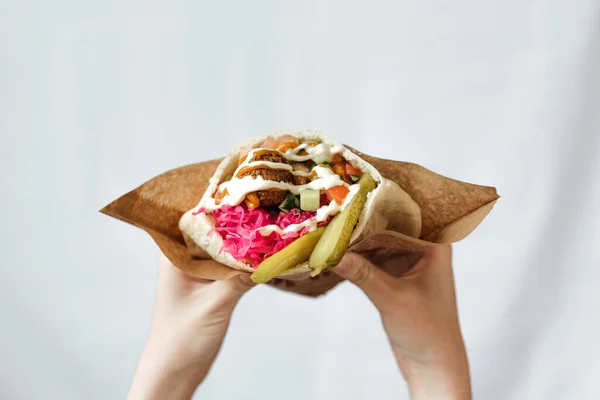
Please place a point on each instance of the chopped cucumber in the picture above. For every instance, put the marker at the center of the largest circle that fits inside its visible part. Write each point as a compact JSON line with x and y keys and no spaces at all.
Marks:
{"x":289,"y":203}
{"x":354,"y":178}
{"x":310,"y":200}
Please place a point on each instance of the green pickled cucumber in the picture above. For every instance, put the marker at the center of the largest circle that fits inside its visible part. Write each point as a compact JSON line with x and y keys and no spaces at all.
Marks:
{"x":295,"y":253}
{"x":335,"y":240}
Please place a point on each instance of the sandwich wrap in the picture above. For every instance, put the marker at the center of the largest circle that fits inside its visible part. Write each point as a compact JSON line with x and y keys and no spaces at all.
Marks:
{"x":410,"y":209}
{"x":387,"y":207}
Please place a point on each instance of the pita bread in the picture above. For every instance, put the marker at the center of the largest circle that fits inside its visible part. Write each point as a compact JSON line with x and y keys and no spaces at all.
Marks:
{"x":388,"y":207}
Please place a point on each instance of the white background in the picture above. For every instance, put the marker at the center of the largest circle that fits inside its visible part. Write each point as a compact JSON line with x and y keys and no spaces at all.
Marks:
{"x":96,"y":97}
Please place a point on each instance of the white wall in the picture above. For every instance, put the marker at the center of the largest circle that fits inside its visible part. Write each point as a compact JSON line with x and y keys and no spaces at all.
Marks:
{"x":96,"y":97}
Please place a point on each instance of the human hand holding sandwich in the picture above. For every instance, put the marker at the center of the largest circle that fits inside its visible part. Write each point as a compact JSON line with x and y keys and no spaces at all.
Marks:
{"x":415,"y":296}
{"x":191,"y":317}
{"x":418,"y":311}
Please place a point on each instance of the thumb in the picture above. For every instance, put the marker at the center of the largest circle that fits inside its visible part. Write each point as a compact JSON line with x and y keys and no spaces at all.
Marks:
{"x":364,"y":274}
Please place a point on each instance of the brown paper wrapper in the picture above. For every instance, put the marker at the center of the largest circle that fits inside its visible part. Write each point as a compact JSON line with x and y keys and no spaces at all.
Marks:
{"x":450,"y":211}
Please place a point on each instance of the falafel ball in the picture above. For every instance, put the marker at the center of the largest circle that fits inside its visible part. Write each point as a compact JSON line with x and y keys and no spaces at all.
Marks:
{"x":270,"y":197}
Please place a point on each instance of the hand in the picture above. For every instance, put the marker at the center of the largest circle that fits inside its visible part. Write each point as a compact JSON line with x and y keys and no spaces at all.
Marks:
{"x":419,"y":314}
{"x":191,"y":317}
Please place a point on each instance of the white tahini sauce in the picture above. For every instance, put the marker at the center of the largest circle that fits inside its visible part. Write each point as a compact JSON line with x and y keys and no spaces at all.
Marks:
{"x":322,"y":214}
{"x":237,"y":188}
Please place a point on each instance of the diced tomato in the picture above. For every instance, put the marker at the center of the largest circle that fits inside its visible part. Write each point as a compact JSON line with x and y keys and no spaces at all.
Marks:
{"x":252,"y":200}
{"x":325,"y":200}
{"x":352,"y":170}
{"x":337,"y":193}
{"x":340,"y":169}
{"x":336,"y":158}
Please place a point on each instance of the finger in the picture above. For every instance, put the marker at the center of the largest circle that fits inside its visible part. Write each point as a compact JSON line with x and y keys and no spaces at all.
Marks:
{"x":372,"y":280}
{"x":439,"y":260}
{"x":171,"y":276}
{"x":166,"y":269}
{"x":441,"y":253}
{"x":229,"y":291}
{"x":163,"y":261}
{"x":437,"y":274}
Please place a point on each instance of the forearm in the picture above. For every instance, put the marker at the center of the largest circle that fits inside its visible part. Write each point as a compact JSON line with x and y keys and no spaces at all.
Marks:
{"x":155,"y":380}
{"x":447,"y":380}
{"x":148,"y":386}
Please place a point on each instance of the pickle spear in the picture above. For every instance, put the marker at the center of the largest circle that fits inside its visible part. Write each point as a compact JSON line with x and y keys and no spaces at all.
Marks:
{"x":335,"y":240}
{"x":295,"y":253}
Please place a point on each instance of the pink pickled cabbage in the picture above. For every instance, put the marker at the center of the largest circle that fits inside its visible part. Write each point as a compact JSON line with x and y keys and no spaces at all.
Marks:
{"x":238,"y":226}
